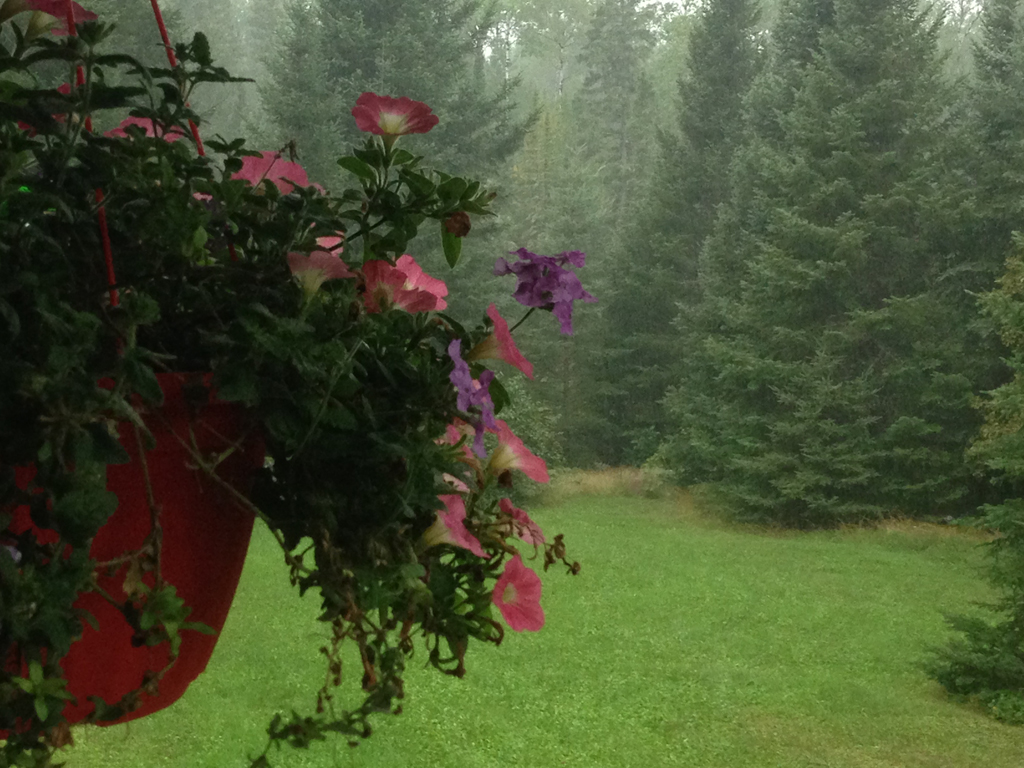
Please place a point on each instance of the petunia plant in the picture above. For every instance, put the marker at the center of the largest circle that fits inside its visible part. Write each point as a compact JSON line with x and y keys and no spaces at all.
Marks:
{"x":385,"y":469}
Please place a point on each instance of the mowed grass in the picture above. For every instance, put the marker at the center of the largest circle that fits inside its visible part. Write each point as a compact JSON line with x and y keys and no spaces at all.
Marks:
{"x":683,"y":642}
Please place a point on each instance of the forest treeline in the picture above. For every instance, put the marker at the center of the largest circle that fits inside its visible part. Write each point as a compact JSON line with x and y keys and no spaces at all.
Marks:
{"x":799,"y":218}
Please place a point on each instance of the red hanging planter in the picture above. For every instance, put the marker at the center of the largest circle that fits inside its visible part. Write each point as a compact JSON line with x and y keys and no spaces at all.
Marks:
{"x":205,"y":540}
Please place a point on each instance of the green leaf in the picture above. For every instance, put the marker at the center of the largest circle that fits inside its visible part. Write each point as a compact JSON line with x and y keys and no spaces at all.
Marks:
{"x":143,"y":380}
{"x":452,"y":247}
{"x":42,"y":711}
{"x":402,"y":157}
{"x":358,"y":167}
{"x":452,"y":189}
{"x":499,"y":395}
{"x":201,"y":50}
{"x":106,"y":449}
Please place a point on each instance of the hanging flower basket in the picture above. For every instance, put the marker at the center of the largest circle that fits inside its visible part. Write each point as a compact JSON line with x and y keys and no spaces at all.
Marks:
{"x":205,"y":536}
{"x":388,"y":474}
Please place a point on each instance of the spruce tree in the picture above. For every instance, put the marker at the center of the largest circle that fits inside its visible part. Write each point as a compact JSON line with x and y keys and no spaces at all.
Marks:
{"x":833,"y":388}
{"x":664,"y":239}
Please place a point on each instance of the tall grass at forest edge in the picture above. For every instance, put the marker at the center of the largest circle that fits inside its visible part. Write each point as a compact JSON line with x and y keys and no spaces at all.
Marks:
{"x":685,"y":641}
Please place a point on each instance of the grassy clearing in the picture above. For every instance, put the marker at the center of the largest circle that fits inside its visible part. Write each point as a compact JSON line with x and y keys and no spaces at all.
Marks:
{"x":684,"y":642}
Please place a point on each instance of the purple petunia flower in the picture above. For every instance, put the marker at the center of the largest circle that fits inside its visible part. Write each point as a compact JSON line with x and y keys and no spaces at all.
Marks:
{"x":544,"y":281}
{"x":472,"y":392}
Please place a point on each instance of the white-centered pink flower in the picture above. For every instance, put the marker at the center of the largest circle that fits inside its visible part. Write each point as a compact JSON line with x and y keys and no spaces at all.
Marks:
{"x":450,"y":527}
{"x":511,"y":453}
{"x":525,"y":528}
{"x":56,"y":9}
{"x":404,"y":285}
{"x":517,"y":595}
{"x":500,"y":345}
{"x":315,"y":269}
{"x":388,"y":116}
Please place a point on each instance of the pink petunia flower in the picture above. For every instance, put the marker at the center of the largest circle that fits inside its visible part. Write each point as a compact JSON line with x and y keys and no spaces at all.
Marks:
{"x":525,"y":528}
{"x":500,"y":345}
{"x":270,"y":166}
{"x":332,"y":243}
{"x":316,"y":268}
{"x":404,"y":285}
{"x":512,"y":454}
{"x":517,"y":595}
{"x":58,"y":9}
{"x":450,"y":527}
{"x":149,"y":127}
{"x":387,"y":116}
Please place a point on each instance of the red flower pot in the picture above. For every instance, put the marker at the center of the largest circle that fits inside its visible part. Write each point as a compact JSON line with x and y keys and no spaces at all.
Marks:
{"x":205,"y":539}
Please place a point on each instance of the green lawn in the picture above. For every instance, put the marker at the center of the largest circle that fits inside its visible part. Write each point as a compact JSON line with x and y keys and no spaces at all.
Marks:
{"x":682,"y":643}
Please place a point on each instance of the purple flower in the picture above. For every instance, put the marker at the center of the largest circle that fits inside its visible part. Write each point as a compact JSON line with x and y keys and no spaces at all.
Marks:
{"x":544,"y":281}
{"x":471,"y":393}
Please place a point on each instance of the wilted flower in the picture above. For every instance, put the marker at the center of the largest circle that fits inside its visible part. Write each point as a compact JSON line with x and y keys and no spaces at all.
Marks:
{"x":450,"y":527}
{"x":404,"y":285}
{"x":544,"y":281}
{"x":388,"y":116}
{"x":500,"y":345}
{"x":458,"y":224}
{"x":525,"y":528}
{"x":517,"y":595}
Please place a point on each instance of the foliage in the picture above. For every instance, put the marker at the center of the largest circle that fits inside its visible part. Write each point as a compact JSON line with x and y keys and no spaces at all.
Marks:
{"x":220,"y":267}
{"x":664,"y":241}
{"x":986,"y":660}
{"x":832,"y":381}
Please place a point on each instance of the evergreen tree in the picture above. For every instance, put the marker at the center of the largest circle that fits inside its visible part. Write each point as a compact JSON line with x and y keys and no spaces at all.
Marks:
{"x":987,"y":660}
{"x":834,"y":389}
{"x":665,"y":238}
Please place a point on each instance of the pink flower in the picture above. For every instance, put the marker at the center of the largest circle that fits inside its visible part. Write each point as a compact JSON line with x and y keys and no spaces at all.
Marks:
{"x":512,"y":454}
{"x":450,"y":527}
{"x":404,"y":285}
{"x":517,"y":595}
{"x":270,"y":166}
{"x":500,"y":345}
{"x":387,"y":116}
{"x":333,"y":243}
{"x":149,"y":127}
{"x":316,"y":268}
{"x":58,"y":9}
{"x":525,"y":528}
